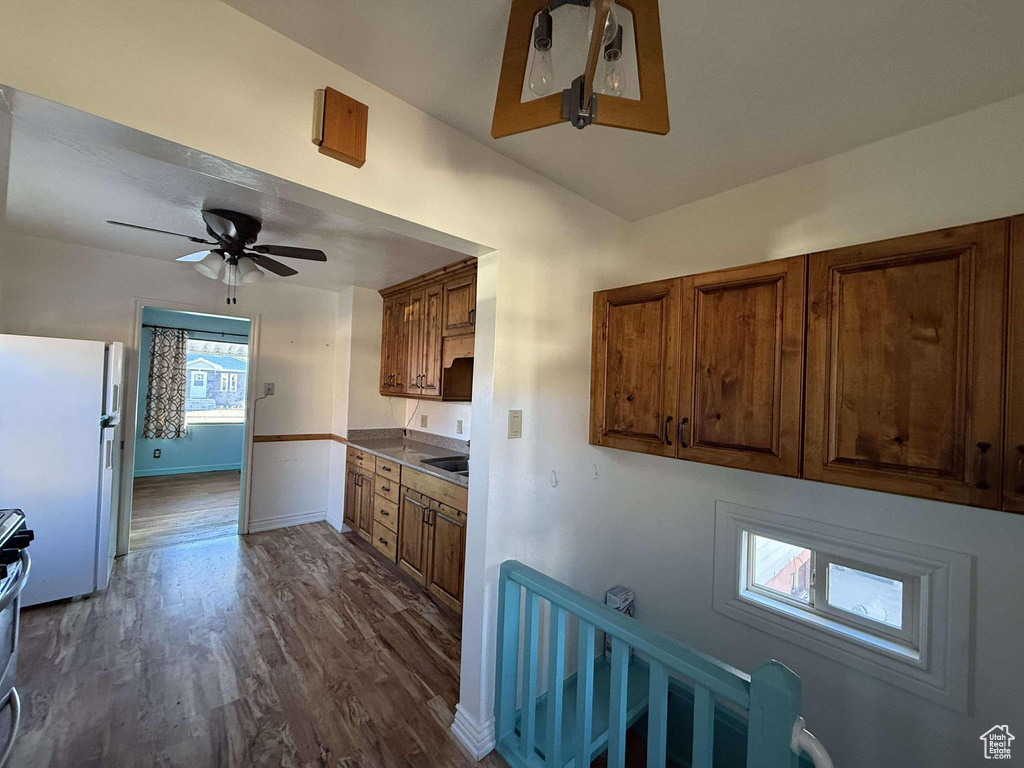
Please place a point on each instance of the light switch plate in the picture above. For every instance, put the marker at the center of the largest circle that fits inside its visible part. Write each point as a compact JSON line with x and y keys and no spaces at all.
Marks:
{"x":458,"y":426}
{"x":515,"y":424}
{"x":423,"y":421}
{"x":268,"y":388}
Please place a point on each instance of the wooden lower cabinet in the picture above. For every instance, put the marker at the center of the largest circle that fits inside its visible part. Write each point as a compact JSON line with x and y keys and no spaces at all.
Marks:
{"x":359,"y":499}
{"x":447,"y":536}
{"x":413,"y":538}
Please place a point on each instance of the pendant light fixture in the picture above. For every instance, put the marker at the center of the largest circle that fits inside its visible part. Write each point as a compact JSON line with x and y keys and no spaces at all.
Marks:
{"x":607,"y":70}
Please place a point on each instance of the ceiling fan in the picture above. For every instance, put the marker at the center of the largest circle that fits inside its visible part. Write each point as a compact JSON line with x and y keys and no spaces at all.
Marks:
{"x":235,"y":251}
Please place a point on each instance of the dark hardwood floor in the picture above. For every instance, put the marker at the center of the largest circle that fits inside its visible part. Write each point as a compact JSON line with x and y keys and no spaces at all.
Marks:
{"x":295,"y":647}
{"x":173,"y":509}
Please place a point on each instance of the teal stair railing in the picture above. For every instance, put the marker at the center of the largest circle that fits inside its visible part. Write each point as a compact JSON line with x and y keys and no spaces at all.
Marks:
{"x":589,"y":712}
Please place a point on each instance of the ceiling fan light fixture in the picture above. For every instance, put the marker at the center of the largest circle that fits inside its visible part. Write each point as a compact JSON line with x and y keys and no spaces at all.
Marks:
{"x":249,"y":272}
{"x":210,"y":265}
{"x":230,"y":274}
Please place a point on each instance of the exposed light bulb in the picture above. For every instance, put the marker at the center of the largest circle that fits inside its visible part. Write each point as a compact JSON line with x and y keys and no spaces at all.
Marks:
{"x":542,"y":71}
{"x":611,"y":25}
{"x":614,"y":81}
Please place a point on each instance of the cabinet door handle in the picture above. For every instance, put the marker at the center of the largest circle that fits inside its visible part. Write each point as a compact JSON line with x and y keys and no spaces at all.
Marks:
{"x":682,"y":432}
{"x":1020,"y":469}
{"x":982,"y":484}
{"x":668,"y":424}
{"x":472,"y":316}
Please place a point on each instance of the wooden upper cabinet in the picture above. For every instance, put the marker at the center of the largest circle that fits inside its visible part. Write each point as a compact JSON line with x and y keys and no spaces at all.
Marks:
{"x":392,"y":352}
{"x":741,"y":367}
{"x":1013,"y":479}
{"x":904,"y":380}
{"x":430,"y":354}
{"x":634,"y":368}
{"x":460,"y":305}
{"x":417,"y":316}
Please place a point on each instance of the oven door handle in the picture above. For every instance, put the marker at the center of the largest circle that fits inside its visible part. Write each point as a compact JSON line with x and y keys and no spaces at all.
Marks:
{"x":11,"y":593}
{"x":15,"y":702}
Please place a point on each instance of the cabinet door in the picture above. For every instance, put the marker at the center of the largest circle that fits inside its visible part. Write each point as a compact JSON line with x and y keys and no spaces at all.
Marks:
{"x":351,"y":513}
{"x":413,"y":343}
{"x":447,"y":555}
{"x":365,"y":496}
{"x":741,"y":370}
{"x":904,"y":365}
{"x":1013,"y":482}
{"x":412,"y":534}
{"x":460,"y":305}
{"x":392,"y":354}
{"x":430,"y":381}
{"x":634,"y":368}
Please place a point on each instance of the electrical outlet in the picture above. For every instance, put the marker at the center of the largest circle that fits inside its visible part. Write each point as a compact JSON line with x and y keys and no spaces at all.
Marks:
{"x":515,"y":424}
{"x":458,"y":426}
{"x":156,"y":453}
{"x":423,"y":421}
{"x":268,"y":388}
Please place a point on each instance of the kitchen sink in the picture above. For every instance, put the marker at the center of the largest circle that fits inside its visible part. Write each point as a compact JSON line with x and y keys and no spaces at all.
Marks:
{"x":458,"y":465}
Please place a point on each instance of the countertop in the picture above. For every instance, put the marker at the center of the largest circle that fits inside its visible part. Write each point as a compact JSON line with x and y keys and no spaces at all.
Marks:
{"x":411,"y":453}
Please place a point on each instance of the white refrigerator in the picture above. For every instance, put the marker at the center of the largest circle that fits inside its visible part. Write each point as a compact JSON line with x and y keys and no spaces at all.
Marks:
{"x":60,"y":457}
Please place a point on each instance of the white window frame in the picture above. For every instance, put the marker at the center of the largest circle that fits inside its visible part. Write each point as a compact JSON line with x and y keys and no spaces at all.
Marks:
{"x":930,"y":660}
{"x":198,"y":379}
{"x":904,"y":641}
{"x":224,"y":382}
{"x":234,"y":382}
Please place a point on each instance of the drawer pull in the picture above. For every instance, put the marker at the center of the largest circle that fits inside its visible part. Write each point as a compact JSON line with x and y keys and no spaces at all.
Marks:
{"x":385,"y":469}
{"x":382,"y":540}
{"x":386,"y":514}
{"x":386,"y":488}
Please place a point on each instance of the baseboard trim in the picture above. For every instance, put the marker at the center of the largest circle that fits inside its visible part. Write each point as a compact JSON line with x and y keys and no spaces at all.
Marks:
{"x":186,"y":470}
{"x":476,"y":738}
{"x":284,"y":521}
{"x":336,"y":522}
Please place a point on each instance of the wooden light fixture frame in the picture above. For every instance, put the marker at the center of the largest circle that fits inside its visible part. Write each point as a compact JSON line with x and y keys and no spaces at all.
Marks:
{"x":649,"y":114}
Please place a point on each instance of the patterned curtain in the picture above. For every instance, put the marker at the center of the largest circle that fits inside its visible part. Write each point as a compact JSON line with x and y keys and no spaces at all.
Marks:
{"x":165,"y":397}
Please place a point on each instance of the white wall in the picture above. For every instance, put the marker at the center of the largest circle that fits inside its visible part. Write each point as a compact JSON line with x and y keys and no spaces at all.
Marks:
{"x":58,"y":289}
{"x":647,"y":521}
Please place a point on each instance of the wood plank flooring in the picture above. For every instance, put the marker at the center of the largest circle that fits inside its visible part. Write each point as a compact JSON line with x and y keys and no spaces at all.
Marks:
{"x":173,"y":509}
{"x":294,"y":648}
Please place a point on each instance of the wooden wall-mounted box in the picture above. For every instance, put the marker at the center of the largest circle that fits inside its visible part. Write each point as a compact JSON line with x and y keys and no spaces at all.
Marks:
{"x":339,"y":126}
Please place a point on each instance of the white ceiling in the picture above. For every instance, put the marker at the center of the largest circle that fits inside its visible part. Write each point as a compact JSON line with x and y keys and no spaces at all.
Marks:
{"x":70,"y":172}
{"x":755,"y":88}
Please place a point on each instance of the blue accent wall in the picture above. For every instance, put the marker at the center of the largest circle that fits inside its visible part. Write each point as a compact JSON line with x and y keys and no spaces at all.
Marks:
{"x":208,"y":447}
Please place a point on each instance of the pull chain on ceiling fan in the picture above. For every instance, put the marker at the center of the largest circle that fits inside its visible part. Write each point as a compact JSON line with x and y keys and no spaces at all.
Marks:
{"x":235,"y":253}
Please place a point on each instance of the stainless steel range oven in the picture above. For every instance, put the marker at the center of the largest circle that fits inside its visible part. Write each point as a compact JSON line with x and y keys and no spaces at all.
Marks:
{"x":14,"y":567}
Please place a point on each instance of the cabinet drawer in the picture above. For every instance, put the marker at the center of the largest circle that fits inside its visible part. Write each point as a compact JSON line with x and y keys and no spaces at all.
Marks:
{"x":386,"y":487}
{"x":385,"y":512}
{"x":386,"y":468}
{"x":385,"y":541}
{"x":362,"y":459}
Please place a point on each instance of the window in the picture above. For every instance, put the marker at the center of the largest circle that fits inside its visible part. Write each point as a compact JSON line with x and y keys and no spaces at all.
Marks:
{"x":893,"y":609}
{"x":217,"y":378}
{"x":879,"y":606}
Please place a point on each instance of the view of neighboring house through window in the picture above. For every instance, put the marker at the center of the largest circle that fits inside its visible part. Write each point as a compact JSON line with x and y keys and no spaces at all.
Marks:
{"x":818,"y":583}
{"x":217,"y":381}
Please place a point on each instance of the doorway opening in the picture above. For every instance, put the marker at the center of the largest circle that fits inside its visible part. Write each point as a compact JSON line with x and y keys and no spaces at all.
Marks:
{"x":190,"y":429}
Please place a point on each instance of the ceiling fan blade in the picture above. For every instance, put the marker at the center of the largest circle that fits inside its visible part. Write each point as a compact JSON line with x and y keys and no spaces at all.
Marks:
{"x":274,"y":266}
{"x":291,"y":252}
{"x":161,"y":231}
{"x":220,"y":226}
{"x":197,"y":256}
